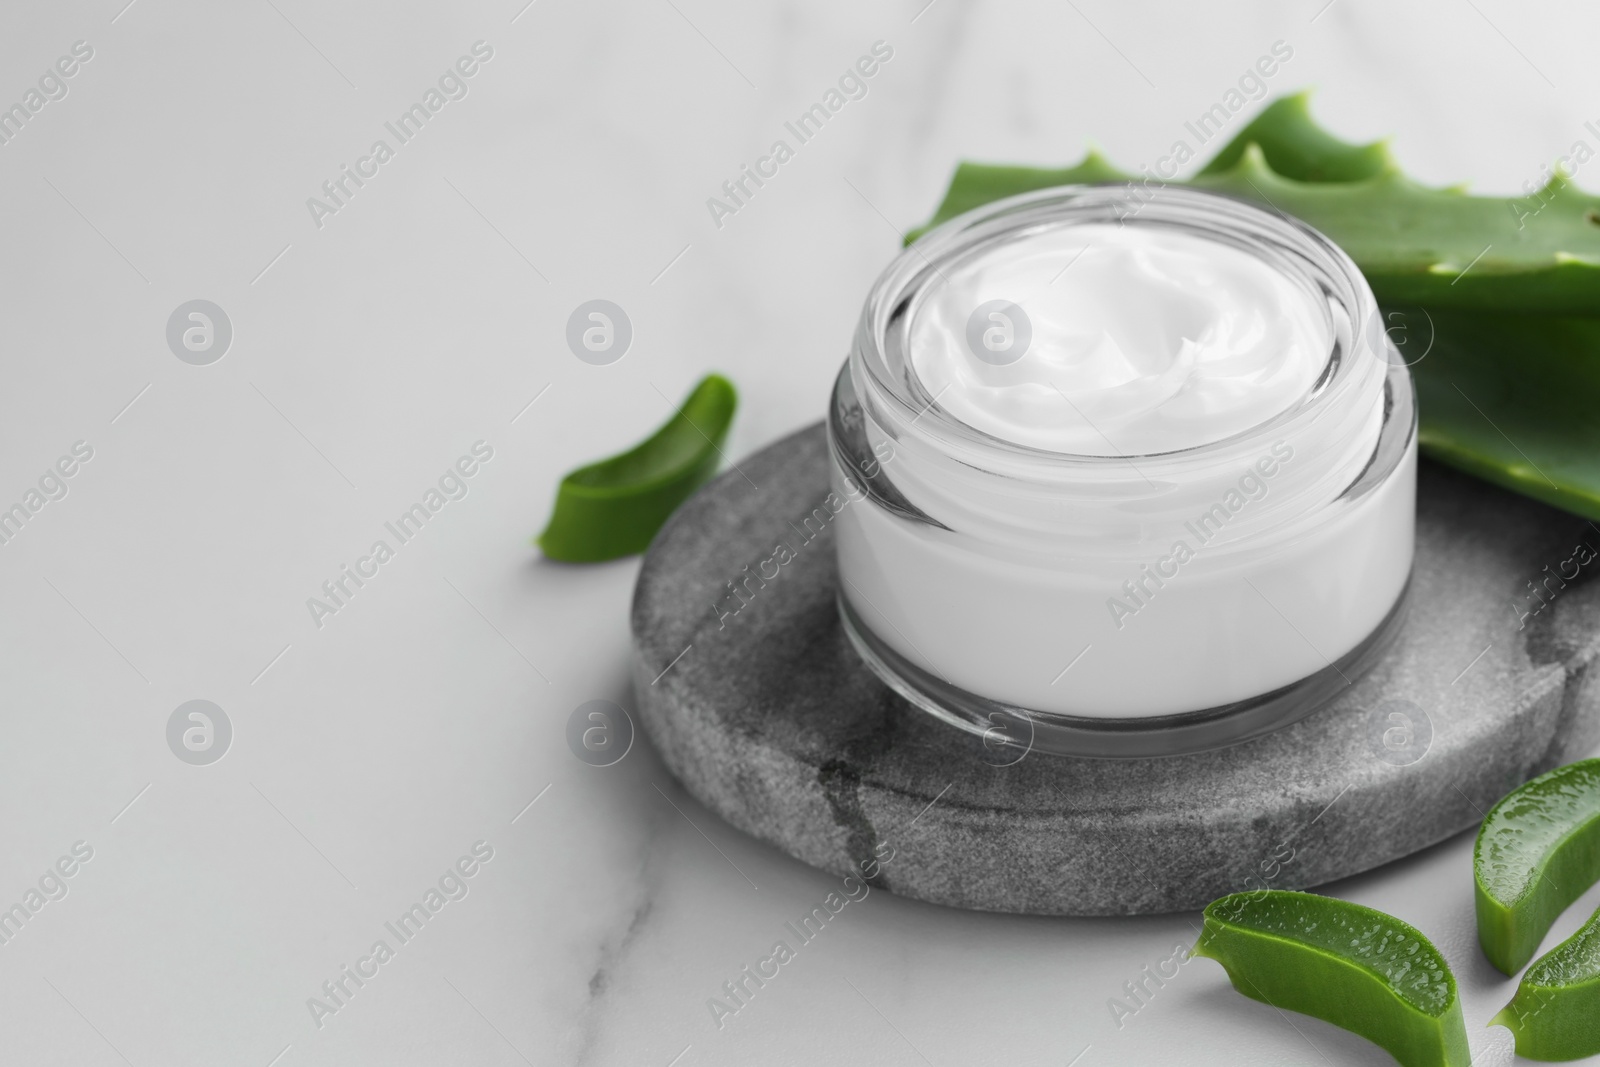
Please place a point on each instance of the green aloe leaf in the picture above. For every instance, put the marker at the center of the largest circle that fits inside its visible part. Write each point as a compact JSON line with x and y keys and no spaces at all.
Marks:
{"x":1440,"y":247}
{"x":1415,"y":244}
{"x":977,"y":184}
{"x":614,"y":507}
{"x":1502,"y":294}
{"x":1556,"y":1012}
{"x":1354,"y":967}
{"x":1511,"y":399}
{"x":1538,"y":850}
{"x":1296,"y":147}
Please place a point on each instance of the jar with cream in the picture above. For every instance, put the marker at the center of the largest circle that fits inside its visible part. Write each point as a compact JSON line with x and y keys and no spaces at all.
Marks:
{"x":1122,"y":485}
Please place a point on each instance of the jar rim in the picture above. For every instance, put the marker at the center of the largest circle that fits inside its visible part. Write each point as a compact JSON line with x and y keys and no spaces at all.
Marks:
{"x":894,"y":395}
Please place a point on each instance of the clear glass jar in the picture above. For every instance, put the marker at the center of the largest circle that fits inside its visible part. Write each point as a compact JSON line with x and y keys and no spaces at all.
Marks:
{"x":1043,"y":599}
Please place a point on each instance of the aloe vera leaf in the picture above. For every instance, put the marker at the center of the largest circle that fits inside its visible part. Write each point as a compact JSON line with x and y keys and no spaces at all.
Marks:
{"x":1354,"y":967}
{"x":1537,"y":851}
{"x":1555,"y":1014}
{"x":1561,"y":279}
{"x":1415,"y":244}
{"x":1296,"y":147}
{"x":1519,"y":415}
{"x":1512,"y":399}
{"x":1504,"y":397}
{"x":613,"y":508}
{"x":1440,"y":247}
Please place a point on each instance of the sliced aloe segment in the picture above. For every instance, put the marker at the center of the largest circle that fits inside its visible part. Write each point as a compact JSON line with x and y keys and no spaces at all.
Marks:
{"x":1538,"y":850}
{"x":1556,"y":1012}
{"x":1354,"y":967}
{"x":614,"y":507}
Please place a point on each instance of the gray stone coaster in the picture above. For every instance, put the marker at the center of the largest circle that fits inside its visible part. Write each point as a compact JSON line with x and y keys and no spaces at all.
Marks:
{"x":769,"y":719}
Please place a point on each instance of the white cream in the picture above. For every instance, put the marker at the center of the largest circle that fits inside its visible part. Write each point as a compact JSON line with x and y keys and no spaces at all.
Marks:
{"x":1064,"y":635}
{"x":1214,"y":494}
{"x":1142,"y":341}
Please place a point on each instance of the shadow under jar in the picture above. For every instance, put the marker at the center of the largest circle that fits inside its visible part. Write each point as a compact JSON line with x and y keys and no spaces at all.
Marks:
{"x":1122,"y":485}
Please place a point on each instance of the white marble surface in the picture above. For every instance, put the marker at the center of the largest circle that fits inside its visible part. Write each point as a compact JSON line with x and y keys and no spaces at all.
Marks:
{"x":370,"y":753}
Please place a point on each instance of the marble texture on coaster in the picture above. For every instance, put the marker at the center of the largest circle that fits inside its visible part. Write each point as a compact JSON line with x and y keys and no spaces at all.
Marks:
{"x":768,"y":717}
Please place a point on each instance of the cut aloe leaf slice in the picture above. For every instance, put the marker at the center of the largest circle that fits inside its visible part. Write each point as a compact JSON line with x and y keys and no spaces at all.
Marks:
{"x":1556,"y":1012}
{"x":1354,"y":967}
{"x":1538,"y":850}
{"x":613,"y":508}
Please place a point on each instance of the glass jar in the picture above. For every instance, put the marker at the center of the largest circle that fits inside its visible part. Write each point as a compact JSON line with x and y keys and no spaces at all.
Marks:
{"x":1123,"y":605}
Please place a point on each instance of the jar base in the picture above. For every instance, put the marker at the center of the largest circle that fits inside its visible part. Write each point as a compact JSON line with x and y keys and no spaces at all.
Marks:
{"x":1006,"y":726}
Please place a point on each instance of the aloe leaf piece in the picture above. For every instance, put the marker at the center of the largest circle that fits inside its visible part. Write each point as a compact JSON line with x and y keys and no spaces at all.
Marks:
{"x":1352,"y":966}
{"x":1508,"y":398}
{"x":613,"y":508}
{"x":1555,"y":1014}
{"x":1537,"y":851}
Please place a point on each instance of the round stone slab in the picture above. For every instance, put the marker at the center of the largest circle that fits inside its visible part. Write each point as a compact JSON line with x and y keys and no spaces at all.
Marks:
{"x":749,"y":689}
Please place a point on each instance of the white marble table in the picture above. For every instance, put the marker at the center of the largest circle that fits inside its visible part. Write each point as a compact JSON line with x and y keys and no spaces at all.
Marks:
{"x":374,"y":345}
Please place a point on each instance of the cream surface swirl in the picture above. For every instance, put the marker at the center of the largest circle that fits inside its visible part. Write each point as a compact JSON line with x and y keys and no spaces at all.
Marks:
{"x":1133,"y":340}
